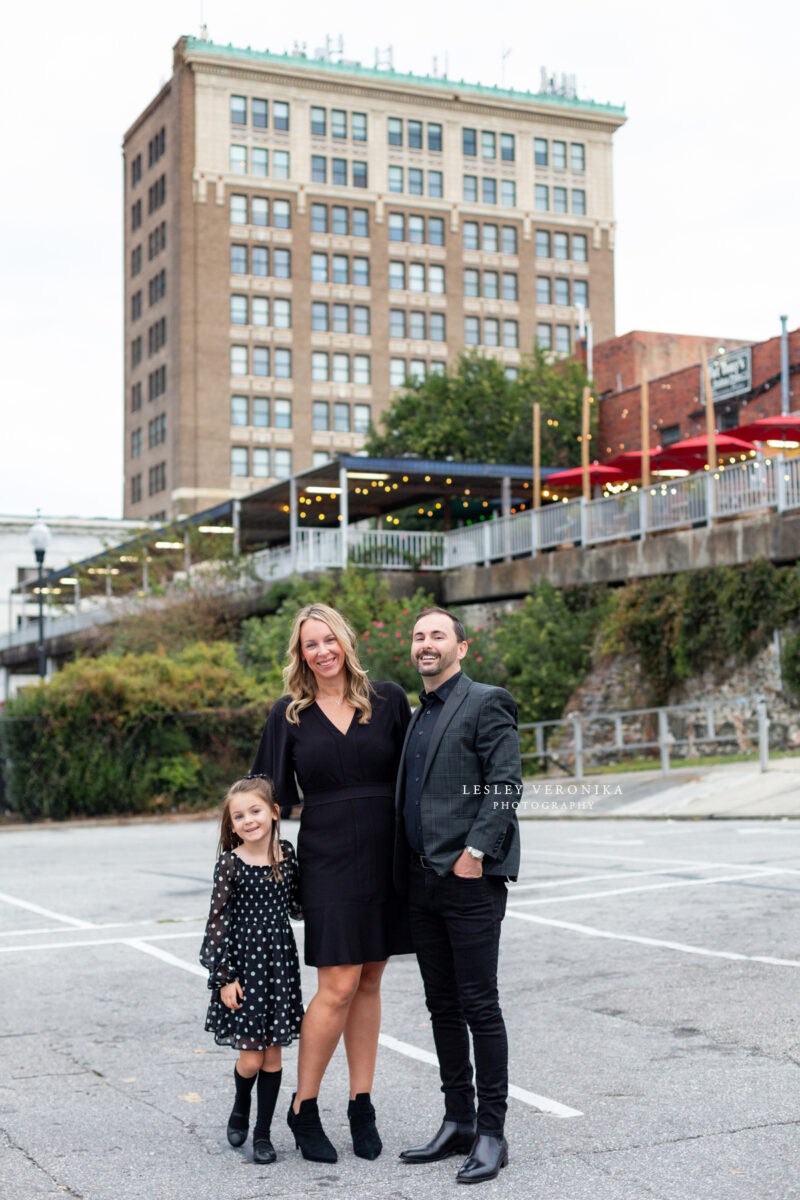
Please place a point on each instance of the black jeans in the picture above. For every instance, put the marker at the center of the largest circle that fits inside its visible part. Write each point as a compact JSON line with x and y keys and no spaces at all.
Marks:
{"x":455,"y":927}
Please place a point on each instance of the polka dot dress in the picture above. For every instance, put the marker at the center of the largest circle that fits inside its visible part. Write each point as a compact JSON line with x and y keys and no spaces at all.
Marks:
{"x":249,"y":938}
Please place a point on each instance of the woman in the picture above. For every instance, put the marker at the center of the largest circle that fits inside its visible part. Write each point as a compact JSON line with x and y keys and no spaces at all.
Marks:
{"x":342,"y":738}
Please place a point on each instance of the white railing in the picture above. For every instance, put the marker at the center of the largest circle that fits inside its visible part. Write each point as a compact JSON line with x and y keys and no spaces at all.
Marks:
{"x":763,"y":483}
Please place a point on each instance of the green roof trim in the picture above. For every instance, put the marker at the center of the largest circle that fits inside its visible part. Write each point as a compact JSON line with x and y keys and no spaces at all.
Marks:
{"x":356,"y":70}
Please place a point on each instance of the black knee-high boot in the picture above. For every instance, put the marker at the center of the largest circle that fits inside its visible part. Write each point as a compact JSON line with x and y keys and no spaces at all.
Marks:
{"x":269,"y":1084}
{"x":239,"y":1120}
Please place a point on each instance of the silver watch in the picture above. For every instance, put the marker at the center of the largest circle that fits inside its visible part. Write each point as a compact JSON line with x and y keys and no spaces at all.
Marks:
{"x":475,"y":853}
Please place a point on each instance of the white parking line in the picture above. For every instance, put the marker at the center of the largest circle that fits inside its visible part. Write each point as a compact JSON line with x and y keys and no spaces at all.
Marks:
{"x":649,"y":887}
{"x":568,"y":879}
{"x":4,"y":933}
{"x":46,"y":912}
{"x":165,"y":956}
{"x":591,"y":931}
{"x":118,"y":941}
{"x":686,"y":862}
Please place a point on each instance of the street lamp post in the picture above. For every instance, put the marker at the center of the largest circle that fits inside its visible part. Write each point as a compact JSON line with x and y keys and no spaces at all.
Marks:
{"x":39,"y":538}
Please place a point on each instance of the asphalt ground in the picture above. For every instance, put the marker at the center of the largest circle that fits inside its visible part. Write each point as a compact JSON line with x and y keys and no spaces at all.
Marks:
{"x":649,"y":976}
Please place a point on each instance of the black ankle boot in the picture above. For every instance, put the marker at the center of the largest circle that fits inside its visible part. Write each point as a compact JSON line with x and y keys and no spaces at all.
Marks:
{"x":361,"y":1115}
{"x":239,"y":1120}
{"x":309,"y":1136}
{"x":269,"y":1084}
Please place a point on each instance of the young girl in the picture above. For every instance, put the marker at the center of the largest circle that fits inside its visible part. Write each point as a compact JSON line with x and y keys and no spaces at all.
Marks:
{"x":250,"y":952}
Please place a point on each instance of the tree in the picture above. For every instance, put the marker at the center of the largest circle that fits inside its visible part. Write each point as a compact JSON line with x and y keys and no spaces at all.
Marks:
{"x":476,"y":414}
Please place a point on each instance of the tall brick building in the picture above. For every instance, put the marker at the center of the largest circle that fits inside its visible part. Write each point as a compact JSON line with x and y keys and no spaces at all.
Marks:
{"x":302,"y":235}
{"x":750,"y":387}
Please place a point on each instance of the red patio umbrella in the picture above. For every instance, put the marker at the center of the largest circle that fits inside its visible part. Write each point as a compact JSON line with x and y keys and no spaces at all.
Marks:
{"x":694,"y":451}
{"x":661,"y":462}
{"x":599,"y":474}
{"x":780,"y":432}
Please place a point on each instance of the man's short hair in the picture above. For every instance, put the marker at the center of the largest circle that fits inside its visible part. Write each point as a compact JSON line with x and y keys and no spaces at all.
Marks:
{"x":460,"y":632}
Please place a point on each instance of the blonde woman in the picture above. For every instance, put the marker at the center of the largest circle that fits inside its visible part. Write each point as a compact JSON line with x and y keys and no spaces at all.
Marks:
{"x":340,"y":737}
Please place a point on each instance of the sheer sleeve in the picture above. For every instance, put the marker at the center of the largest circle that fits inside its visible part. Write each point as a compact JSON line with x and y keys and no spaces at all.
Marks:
{"x":292,"y":876}
{"x":274,"y":756}
{"x":217,"y":952}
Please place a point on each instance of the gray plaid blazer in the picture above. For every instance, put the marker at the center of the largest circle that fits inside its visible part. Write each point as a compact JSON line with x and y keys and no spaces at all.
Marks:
{"x":472,"y":779}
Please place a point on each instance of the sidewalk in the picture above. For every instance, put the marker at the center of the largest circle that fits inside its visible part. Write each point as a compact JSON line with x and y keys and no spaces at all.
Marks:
{"x":732,"y":791}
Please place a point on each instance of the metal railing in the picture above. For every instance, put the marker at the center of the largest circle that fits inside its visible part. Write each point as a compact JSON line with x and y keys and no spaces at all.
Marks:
{"x":740,"y":724}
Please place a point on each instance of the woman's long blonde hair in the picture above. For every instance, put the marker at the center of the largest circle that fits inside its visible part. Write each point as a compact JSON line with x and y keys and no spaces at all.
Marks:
{"x":298,"y":678}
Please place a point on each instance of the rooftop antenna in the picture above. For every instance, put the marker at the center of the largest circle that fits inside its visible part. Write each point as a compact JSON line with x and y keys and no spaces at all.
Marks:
{"x":384,"y":59}
{"x":203,"y":26}
{"x":503,"y":56}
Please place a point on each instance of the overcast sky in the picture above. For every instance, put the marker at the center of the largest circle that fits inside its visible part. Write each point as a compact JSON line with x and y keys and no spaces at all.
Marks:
{"x":706,"y":177}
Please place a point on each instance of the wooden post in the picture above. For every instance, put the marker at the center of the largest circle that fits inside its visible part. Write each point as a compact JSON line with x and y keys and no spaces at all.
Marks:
{"x":587,"y":487}
{"x":537,"y":454}
{"x":644,"y":404}
{"x":711,"y":449}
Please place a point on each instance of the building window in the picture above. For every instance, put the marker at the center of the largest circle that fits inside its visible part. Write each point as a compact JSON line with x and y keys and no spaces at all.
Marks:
{"x":670,"y":434}
{"x":579,"y":202}
{"x":339,"y":172}
{"x":341,"y":318}
{"x":281,"y":263}
{"x":281,"y":214}
{"x":259,"y":210}
{"x":416,"y":230}
{"x":283,"y":463}
{"x":136,"y":443}
{"x":541,"y":194}
{"x":395,"y":131}
{"x":281,"y":314}
{"x":361,"y":418}
{"x":417,"y":370}
{"x":136,"y":305}
{"x":259,"y":162}
{"x":261,"y":412}
{"x":359,"y":174}
{"x":416,"y":277}
{"x":280,"y":115}
{"x":319,"y":218}
{"x":319,"y":316}
{"x":540,"y":152}
{"x":397,"y":323}
{"x":238,"y":160}
{"x":341,"y":418}
{"x":415,"y":181}
{"x":507,"y":147}
{"x":508,"y":193}
{"x":469,"y":189}
{"x":360,"y":221}
{"x":509,"y":239}
{"x":319,"y":366}
{"x":562,"y":339}
{"x":397,"y":276}
{"x":259,"y":310}
{"x":319,"y":168}
{"x":259,"y":111}
{"x":136,"y":351}
{"x":340,"y":368}
{"x":580,"y":293}
{"x":436,"y":231}
{"x":238,"y":210}
{"x":136,"y":215}
{"x":240,"y":465}
{"x":416,"y":326}
{"x":472,"y":331}
{"x":136,"y":260}
{"x":511,"y":334}
{"x":489,"y":191}
{"x":280,"y":164}
{"x":543,"y":290}
{"x":282,"y":410}
{"x":238,"y":260}
{"x":136,"y":489}
{"x":491,"y":331}
{"x":544,"y":336}
{"x":361,"y":272}
{"x":283,"y":364}
{"x":469,"y":143}
{"x":261,"y":361}
{"x":435,"y":184}
{"x":488,"y":145}
{"x":491,"y":285}
{"x":320,"y":416}
{"x":436,"y":368}
{"x":395,"y":179}
{"x":561,"y":292}
{"x":397,"y":372}
{"x":579,"y":247}
{"x":261,"y":462}
{"x":340,"y":220}
{"x":559,"y":199}
{"x":489,"y":238}
{"x":239,"y":307}
{"x":319,"y":119}
{"x":136,"y":170}
{"x":511,"y":372}
{"x":436,"y":280}
{"x":470,"y":235}
{"x":340,"y":272}
{"x":560,"y":155}
{"x":361,"y":319}
{"x":577,"y":156}
{"x":136,"y":397}
{"x":510,"y":286}
{"x":358,"y":127}
{"x":362,"y":370}
{"x":260,"y":260}
{"x":238,"y":110}
{"x":320,"y":458}
{"x":436,"y":327}
{"x":434,"y":137}
{"x":414,"y":130}
{"x":240,"y":410}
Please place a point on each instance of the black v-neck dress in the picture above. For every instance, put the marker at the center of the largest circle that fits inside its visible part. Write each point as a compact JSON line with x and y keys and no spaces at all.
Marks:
{"x":345,"y":845}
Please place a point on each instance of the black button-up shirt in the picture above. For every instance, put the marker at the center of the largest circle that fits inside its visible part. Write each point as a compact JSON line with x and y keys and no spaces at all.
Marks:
{"x":432,"y":704}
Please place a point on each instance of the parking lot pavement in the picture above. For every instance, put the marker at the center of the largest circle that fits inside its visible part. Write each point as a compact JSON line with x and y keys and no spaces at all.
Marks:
{"x":649,"y":976}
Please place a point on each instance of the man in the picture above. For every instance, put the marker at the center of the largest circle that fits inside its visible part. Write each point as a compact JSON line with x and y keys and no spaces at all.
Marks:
{"x":457,"y":842}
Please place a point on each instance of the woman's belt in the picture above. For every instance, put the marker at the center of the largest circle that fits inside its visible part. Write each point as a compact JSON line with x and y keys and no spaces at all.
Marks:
{"x":358,"y":791}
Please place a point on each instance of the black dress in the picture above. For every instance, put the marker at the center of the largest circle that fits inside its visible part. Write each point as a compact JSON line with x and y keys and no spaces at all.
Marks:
{"x":345,"y":845}
{"x":249,"y":938}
